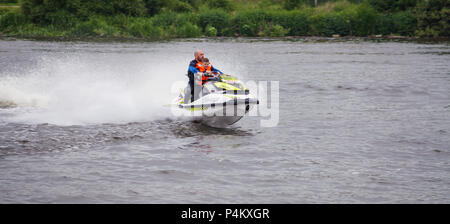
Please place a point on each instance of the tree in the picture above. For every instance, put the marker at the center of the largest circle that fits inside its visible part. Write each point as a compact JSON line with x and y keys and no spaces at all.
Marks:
{"x":433,"y":18}
{"x":47,"y":11}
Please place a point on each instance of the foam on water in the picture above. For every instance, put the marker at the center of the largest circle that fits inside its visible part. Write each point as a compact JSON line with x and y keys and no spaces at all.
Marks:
{"x":78,"y":89}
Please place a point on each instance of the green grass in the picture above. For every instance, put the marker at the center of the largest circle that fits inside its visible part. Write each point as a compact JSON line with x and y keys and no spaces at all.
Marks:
{"x":251,"y":18}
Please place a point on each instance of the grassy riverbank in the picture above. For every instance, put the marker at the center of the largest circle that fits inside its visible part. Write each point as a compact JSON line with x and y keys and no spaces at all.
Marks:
{"x":157,"y":20}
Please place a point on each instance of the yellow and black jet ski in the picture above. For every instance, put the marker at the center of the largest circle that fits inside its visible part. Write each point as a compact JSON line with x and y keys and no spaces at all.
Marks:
{"x":222,"y":101}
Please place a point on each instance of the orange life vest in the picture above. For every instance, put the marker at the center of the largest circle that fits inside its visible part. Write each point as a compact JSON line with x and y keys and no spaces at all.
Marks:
{"x":202,"y":68}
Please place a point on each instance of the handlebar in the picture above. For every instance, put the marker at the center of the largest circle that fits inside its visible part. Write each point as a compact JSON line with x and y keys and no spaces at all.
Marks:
{"x":214,"y":79}
{"x":215,"y":76}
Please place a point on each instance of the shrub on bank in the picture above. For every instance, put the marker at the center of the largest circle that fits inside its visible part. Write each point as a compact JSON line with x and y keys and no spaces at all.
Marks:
{"x":37,"y":10}
{"x":60,"y":18}
{"x":296,"y":21}
{"x":3,"y":11}
{"x":329,"y":24}
{"x":385,"y":25}
{"x":143,"y":28}
{"x":433,"y":18}
{"x":226,"y":5}
{"x":271,"y":30}
{"x":392,"y":5}
{"x":210,"y":31}
{"x":404,"y":23}
{"x":95,"y":26}
{"x":188,"y":30}
{"x":169,"y":18}
{"x":11,"y":20}
{"x":249,"y":22}
{"x":365,"y":21}
{"x":217,"y":18}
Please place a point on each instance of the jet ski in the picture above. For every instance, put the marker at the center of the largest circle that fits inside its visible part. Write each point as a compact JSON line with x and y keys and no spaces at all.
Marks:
{"x":221,"y":101}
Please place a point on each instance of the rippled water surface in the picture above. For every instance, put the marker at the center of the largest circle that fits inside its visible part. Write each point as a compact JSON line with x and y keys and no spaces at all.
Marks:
{"x":359,"y":122}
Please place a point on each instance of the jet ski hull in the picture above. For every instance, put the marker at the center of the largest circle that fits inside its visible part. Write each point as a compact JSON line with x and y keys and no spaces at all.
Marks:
{"x":220,"y":104}
{"x":221,"y":115}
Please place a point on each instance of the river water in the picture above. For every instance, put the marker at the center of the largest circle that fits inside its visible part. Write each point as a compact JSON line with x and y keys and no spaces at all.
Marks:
{"x":359,"y":122}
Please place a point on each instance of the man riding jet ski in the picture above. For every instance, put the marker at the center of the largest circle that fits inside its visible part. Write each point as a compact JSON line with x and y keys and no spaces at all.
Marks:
{"x":212,"y":97}
{"x":195,"y":67}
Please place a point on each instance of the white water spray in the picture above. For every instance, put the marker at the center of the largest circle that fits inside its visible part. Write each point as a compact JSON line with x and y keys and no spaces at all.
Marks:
{"x":92,"y":89}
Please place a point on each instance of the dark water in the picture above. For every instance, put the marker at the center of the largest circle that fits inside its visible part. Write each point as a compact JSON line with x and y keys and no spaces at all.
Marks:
{"x":359,"y":122}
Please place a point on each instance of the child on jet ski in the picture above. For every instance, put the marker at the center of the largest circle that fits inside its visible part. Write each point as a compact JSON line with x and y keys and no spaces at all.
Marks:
{"x":206,"y":71}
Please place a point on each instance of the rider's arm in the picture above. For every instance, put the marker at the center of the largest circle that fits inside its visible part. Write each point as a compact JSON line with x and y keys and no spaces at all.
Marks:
{"x":193,"y":69}
{"x":216,"y":70}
